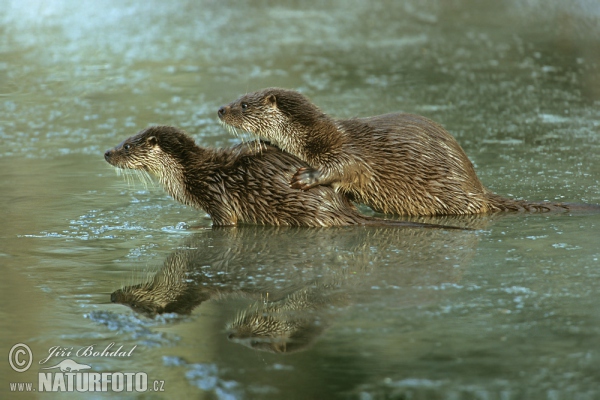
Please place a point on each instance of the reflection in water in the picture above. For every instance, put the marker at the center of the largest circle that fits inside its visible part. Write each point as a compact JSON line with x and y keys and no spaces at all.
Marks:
{"x":293,"y":304}
{"x":290,"y":324}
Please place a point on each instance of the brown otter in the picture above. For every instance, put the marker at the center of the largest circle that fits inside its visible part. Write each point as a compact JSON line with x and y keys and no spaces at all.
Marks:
{"x":244,"y":184}
{"x":395,"y":163}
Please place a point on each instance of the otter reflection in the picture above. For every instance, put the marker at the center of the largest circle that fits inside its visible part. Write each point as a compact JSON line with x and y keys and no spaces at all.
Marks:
{"x":296,"y":280}
{"x":290,"y":324}
{"x":209,"y":265}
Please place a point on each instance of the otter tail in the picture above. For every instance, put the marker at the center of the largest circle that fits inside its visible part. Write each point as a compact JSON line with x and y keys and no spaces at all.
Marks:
{"x":503,"y":204}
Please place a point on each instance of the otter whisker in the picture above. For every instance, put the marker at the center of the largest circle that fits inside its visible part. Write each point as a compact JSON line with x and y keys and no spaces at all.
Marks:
{"x":144,"y":178}
{"x":124,"y":174}
{"x":140,"y":177}
{"x":230,"y":129}
{"x":127,"y":177}
{"x":243,"y":135}
{"x":131,"y":177}
{"x":147,"y":176}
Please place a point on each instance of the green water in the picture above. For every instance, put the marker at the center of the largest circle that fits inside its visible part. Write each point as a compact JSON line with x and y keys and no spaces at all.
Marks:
{"x":509,"y":311}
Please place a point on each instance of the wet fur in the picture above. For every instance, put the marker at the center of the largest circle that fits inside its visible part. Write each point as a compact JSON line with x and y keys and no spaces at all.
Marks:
{"x":246,"y":184}
{"x":395,"y":163}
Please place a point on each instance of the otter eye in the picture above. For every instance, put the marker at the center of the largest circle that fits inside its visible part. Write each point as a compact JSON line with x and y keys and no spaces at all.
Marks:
{"x":244,"y":106}
{"x":127,"y":146}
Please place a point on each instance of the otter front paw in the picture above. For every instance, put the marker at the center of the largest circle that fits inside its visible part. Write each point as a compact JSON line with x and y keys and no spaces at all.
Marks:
{"x":305,"y":178}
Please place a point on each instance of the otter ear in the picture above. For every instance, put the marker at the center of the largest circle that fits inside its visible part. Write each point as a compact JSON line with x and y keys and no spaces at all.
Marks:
{"x":271,"y":100}
{"x":152,"y":141}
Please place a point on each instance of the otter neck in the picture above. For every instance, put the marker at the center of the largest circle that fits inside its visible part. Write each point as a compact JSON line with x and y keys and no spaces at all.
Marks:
{"x":313,"y":142}
{"x":171,"y":179}
{"x":202,"y":184}
{"x":175,"y":174}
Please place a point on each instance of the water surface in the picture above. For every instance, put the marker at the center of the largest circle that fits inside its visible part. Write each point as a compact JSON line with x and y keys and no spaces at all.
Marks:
{"x":508,"y":311}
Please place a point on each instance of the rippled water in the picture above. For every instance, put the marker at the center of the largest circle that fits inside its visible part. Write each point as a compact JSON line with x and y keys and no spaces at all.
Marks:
{"x":508,"y":311}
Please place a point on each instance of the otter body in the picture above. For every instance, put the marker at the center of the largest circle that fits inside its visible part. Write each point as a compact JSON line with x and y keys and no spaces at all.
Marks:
{"x":395,"y":163}
{"x":245,"y":184}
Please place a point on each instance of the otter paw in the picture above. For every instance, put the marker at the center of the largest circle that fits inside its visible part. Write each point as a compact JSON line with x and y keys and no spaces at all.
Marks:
{"x":305,"y":178}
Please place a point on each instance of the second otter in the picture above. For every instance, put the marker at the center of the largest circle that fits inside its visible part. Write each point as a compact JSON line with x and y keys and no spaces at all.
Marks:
{"x":395,"y":163}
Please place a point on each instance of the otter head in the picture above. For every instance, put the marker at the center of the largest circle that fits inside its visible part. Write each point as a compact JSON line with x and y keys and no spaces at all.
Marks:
{"x":282,"y":116}
{"x":138,"y":298}
{"x":164,"y":151}
{"x":273,"y":331}
{"x":163,"y":294}
{"x":153,"y":150}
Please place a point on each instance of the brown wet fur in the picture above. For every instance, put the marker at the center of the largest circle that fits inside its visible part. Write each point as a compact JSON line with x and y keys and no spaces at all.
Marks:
{"x":246,"y":184}
{"x":395,"y":163}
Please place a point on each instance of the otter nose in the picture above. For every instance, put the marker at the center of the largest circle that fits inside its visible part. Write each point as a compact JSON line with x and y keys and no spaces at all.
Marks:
{"x":221,"y":111}
{"x":107,"y":154}
{"x":113,"y":296}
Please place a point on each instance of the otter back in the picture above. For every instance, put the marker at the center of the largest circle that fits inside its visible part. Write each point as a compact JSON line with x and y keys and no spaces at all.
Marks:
{"x":395,"y":163}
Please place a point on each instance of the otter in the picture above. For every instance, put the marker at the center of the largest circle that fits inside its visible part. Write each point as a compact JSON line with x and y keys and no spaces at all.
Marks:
{"x":246,"y":184}
{"x":395,"y":163}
